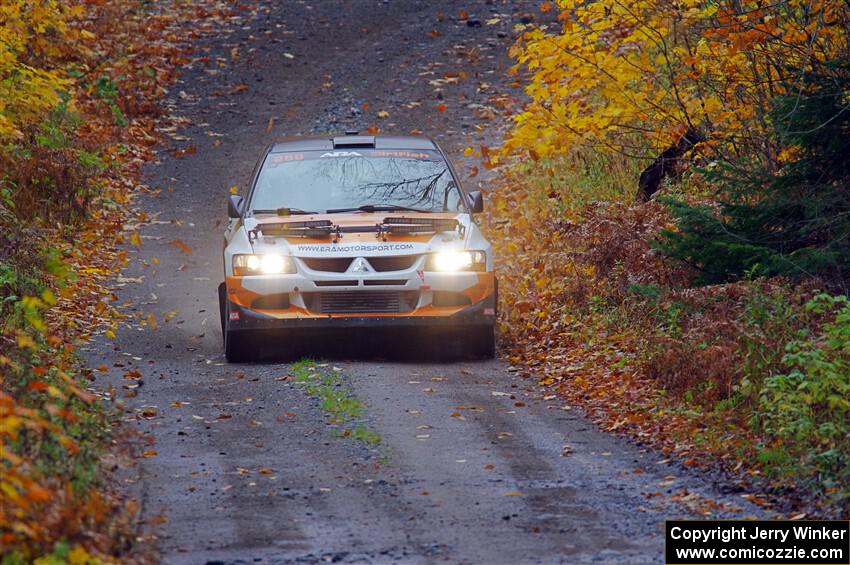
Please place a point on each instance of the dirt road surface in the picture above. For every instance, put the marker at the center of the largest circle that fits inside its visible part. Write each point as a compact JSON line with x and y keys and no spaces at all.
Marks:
{"x":474,"y":464}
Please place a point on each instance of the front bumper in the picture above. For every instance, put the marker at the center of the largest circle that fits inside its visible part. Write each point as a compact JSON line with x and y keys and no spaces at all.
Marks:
{"x":480,"y":314}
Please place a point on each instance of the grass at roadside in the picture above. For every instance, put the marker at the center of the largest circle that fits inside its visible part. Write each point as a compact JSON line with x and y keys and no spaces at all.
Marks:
{"x":748,"y":376}
{"x":342,"y":408}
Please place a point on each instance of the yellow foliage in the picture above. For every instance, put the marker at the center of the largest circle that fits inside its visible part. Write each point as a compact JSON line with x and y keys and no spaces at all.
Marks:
{"x":34,"y":37}
{"x":632,"y":77}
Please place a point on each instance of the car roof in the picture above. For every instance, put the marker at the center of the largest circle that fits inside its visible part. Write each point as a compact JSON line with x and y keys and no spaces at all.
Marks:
{"x":351,"y":140}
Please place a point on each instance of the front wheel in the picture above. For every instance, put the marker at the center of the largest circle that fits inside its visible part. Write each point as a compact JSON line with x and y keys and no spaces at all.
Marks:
{"x":481,"y":342}
{"x":238,"y":347}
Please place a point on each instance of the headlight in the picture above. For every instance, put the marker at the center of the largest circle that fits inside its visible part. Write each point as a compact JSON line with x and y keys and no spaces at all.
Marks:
{"x":450,"y":261}
{"x":268,"y":264}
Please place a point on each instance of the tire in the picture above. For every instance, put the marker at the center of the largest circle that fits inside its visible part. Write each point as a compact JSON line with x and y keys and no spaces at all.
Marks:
{"x":222,"y":308}
{"x":238,"y":347}
{"x":482,"y":342}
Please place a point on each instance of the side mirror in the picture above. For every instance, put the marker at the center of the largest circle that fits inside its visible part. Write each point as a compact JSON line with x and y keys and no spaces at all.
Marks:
{"x":476,"y":201}
{"x":234,"y":206}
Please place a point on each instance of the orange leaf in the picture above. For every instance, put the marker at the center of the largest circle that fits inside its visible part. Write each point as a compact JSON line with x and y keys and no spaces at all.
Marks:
{"x":181,"y":245}
{"x":178,"y":153}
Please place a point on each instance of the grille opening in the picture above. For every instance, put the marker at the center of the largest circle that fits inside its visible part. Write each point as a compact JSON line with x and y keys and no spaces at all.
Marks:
{"x":397,"y":263}
{"x":391,"y":282}
{"x":329,"y":265}
{"x":271,"y":302}
{"x":336,"y":283}
{"x":448,"y":298}
{"x":361,"y":302}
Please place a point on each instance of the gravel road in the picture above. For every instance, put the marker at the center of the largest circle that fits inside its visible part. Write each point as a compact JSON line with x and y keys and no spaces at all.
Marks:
{"x":474,"y":464}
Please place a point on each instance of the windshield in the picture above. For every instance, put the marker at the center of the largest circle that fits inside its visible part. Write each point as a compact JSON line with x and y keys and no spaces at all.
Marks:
{"x":318,"y":181}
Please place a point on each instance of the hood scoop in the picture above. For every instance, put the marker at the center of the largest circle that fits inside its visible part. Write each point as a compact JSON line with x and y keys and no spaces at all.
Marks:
{"x":391,"y":225}
{"x":313,"y":228}
{"x":404,"y":225}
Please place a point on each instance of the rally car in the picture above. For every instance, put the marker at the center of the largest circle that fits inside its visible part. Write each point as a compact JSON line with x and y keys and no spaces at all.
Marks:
{"x":355,"y":231}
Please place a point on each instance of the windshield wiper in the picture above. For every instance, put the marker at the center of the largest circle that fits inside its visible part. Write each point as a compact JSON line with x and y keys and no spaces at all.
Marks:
{"x":283,"y":212}
{"x":377,"y":208}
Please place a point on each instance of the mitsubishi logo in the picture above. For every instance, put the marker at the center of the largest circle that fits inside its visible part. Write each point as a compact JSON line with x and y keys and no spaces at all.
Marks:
{"x":360,"y":265}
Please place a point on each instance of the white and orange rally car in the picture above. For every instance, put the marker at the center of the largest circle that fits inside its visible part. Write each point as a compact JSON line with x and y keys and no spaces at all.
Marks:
{"x":355,"y":231}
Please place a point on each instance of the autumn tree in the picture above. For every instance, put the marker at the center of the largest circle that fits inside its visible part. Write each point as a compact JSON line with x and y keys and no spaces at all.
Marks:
{"x":793,"y":219}
{"x":660,"y":80}
{"x":35,"y":36}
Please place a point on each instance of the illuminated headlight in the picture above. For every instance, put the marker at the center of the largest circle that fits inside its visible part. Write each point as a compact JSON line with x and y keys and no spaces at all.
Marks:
{"x":449,"y":261}
{"x":268,"y":264}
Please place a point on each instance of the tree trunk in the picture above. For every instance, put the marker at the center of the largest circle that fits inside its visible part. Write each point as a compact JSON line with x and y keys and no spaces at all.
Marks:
{"x":666,"y":165}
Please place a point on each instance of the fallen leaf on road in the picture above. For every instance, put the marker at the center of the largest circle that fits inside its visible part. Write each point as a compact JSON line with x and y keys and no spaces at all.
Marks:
{"x":179,"y":153}
{"x":181,"y":245}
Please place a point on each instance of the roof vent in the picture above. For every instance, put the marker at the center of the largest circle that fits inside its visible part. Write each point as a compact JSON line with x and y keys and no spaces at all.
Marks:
{"x":353,"y":139}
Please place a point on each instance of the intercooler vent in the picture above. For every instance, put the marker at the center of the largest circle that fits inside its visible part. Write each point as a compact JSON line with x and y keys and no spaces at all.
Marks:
{"x":362,"y":302}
